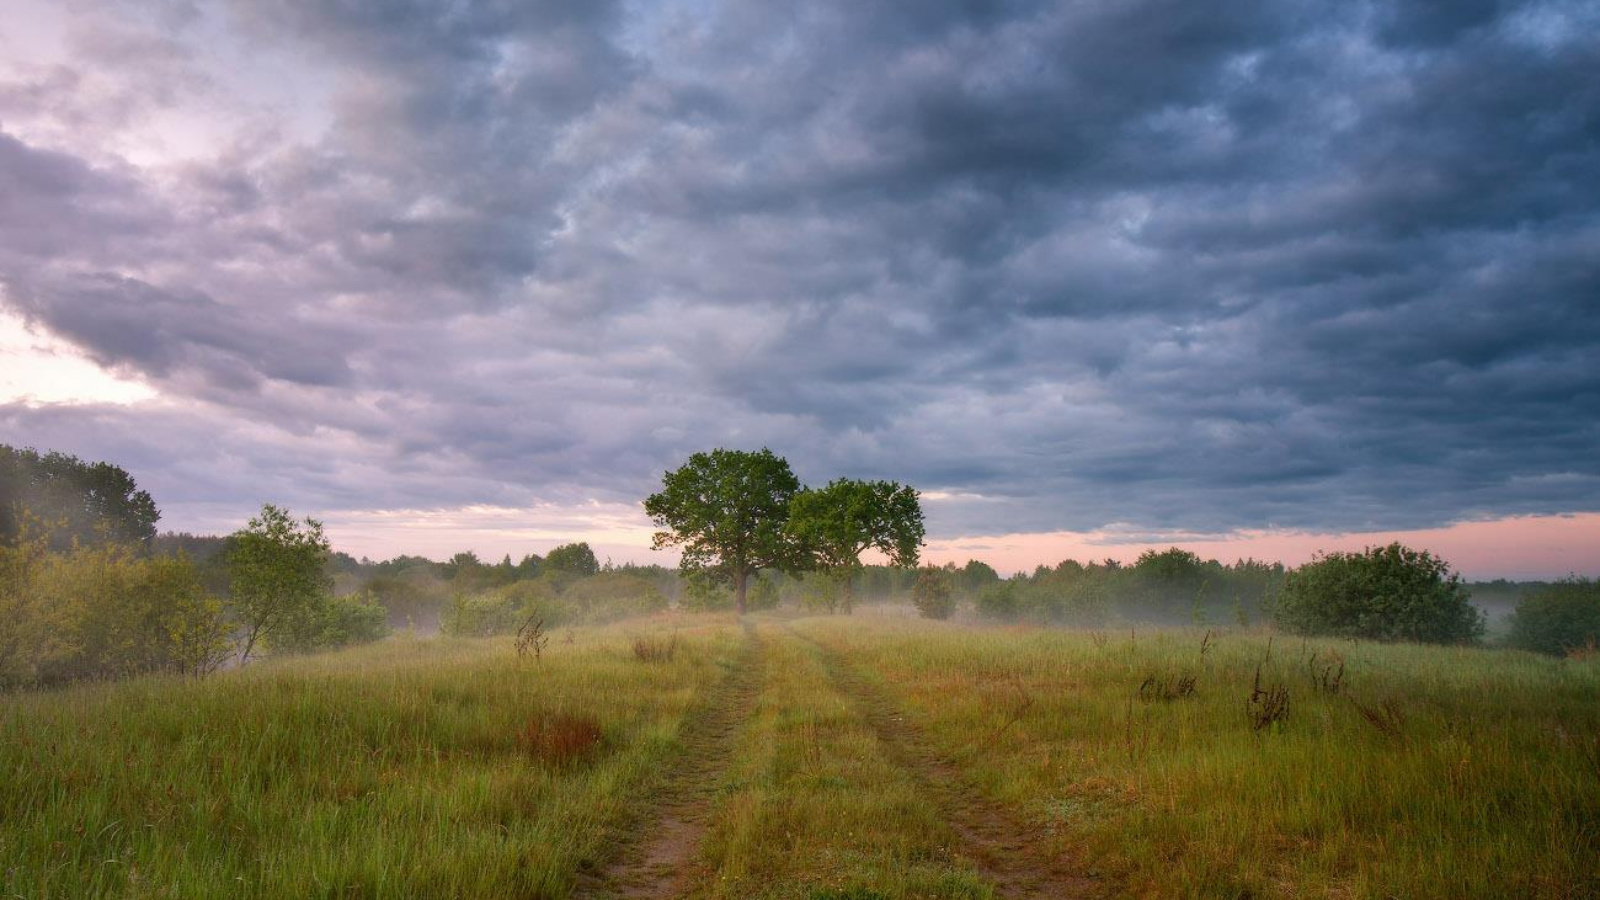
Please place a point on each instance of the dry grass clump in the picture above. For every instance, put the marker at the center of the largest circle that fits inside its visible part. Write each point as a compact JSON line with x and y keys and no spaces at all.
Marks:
{"x":655,"y":650}
{"x":561,"y":738}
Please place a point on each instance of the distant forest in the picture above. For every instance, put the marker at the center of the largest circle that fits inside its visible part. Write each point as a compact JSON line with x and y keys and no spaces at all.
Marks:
{"x":90,"y":588}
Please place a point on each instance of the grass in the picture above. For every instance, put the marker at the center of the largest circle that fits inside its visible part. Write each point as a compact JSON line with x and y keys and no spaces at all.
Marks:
{"x":409,"y":768}
{"x":1483,"y":786}
{"x":453,"y":768}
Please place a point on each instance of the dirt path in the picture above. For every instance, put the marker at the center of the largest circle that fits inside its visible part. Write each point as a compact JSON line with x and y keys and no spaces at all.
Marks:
{"x":659,"y":863}
{"x":999,"y":845}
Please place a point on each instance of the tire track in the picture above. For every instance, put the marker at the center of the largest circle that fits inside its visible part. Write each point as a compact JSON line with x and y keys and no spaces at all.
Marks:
{"x":659,"y":861}
{"x":997,"y":843}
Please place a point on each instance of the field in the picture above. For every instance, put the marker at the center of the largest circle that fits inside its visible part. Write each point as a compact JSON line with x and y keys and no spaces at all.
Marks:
{"x":841,"y":758}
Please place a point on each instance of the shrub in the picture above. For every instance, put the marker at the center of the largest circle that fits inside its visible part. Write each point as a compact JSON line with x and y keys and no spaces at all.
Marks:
{"x":502,"y":610}
{"x":614,"y":595}
{"x":1560,"y":618}
{"x":1391,"y":593}
{"x":1000,"y":600}
{"x":933,"y":594}
{"x":102,"y":612}
{"x":331,"y":622}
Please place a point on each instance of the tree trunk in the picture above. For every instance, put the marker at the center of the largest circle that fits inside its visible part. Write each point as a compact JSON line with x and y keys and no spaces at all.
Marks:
{"x":741,"y":586}
{"x":849,"y":596}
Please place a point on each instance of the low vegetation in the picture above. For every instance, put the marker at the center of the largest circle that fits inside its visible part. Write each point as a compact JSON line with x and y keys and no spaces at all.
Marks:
{"x":1561,"y":618}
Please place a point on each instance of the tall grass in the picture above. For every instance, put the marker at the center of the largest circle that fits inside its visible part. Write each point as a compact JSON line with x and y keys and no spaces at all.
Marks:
{"x":404,"y":769}
{"x":1486,"y":785}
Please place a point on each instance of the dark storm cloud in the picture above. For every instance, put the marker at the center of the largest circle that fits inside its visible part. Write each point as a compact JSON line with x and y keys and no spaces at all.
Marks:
{"x":1249,"y":265}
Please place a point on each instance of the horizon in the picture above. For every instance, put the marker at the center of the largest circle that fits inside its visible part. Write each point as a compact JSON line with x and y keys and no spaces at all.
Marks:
{"x":1260,"y":279}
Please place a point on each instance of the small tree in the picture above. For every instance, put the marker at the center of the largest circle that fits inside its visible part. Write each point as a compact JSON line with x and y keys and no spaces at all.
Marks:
{"x":837,"y":523}
{"x":276,"y":571}
{"x":573,"y":559}
{"x":728,"y":510}
{"x":1558,"y":618}
{"x":1391,"y":593}
{"x":932,"y":594}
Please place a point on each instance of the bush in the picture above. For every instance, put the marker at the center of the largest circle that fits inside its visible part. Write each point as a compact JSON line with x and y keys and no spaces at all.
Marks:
{"x":331,"y":622}
{"x":614,"y":595}
{"x":1391,"y":593}
{"x":103,"y":612}
{"x":933,"y":594}
{"x":1000,"y":600}
{"x":504,"y":609}
{"x":1560,"y":618}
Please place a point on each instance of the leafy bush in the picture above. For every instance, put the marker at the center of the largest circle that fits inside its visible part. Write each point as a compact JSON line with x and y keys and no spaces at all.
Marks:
{"x":614,"y":595}
{"x":332,"y":622}
{"x":1559,"y":618}
{"x":1000,"y":600}
{"x":102,"y":612}
{"x":502,"y":610}
{"x":1391,"y":593}
{"x":932,"y":594}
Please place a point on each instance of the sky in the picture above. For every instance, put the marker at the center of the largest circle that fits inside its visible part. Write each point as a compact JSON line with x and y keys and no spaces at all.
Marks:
{"x":1254,"y":278}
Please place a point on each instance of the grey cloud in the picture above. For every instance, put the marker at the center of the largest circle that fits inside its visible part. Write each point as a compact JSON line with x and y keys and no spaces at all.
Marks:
{"x":1261,"y":264}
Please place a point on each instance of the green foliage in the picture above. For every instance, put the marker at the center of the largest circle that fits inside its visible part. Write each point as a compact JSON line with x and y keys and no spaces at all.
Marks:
{"x":728,"y":510}
{"x":502,"y":610}
{"x":76,"y":501}
{"x":103,"y":611}
{"x":573,"y":559}
{"x":331,"y":622}
{"x":837,"y":523}
{"x":1558,"y":618}
{"x":975,"y":576}
{"x":1001,"y":600}
{"x":934,"y":594}
{"x":1391,"y":593}
{"x":412,"y":595}
{"x":276,"y":572}
{"x":613,"y":595}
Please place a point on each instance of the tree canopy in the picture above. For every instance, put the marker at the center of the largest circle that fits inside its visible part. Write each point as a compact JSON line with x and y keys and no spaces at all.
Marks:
{"x":837,"y":523}
{"x":1390,"y":593}
{"x":729,"y":511}
{"x":573,"y":559}
{"x":72,"y":501}
{"x":276,"y":568}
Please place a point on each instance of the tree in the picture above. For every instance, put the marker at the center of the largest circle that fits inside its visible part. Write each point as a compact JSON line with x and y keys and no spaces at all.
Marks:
{"x":276,"y":570}
{"x":77,"y":502}
{"x":1558,"y":618}
{"x":728,"y":510}
{"x":837,"y":523}
{"x":1391,"y":593}
{"x":574,"y":559}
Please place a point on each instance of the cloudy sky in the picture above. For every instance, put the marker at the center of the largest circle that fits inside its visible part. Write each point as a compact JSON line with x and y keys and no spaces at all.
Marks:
{"x":1246,"y":275}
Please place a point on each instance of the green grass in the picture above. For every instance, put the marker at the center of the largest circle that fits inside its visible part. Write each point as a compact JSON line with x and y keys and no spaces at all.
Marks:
{"x":388,"y":771}
{"x":398,"y":770}
{"x":1488,"y":790}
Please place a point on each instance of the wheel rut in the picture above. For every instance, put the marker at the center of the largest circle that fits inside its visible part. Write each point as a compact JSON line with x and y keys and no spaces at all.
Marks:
{"x":659,"y":860}
{"x":999,"y":845}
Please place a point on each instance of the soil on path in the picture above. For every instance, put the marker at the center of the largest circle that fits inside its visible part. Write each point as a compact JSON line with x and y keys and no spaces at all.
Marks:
{"x":661,"y":860}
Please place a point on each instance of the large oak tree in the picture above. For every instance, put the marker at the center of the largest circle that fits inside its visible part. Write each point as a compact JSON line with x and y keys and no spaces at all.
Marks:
{"x":728,"y":510}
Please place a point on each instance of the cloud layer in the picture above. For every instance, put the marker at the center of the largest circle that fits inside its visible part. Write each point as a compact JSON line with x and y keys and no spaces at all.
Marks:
{"x":1072,"y":265}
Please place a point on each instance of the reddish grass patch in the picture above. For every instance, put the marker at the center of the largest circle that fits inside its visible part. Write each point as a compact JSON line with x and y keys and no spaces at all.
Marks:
{"x":655,"y":650}
{"x":560,"y":738}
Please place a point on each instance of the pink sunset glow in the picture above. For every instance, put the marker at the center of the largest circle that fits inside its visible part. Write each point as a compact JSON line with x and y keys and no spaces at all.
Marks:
{"x":1524,"y":547}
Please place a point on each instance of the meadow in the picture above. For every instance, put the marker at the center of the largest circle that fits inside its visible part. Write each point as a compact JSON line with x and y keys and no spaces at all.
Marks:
{"x":822,"y":758}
